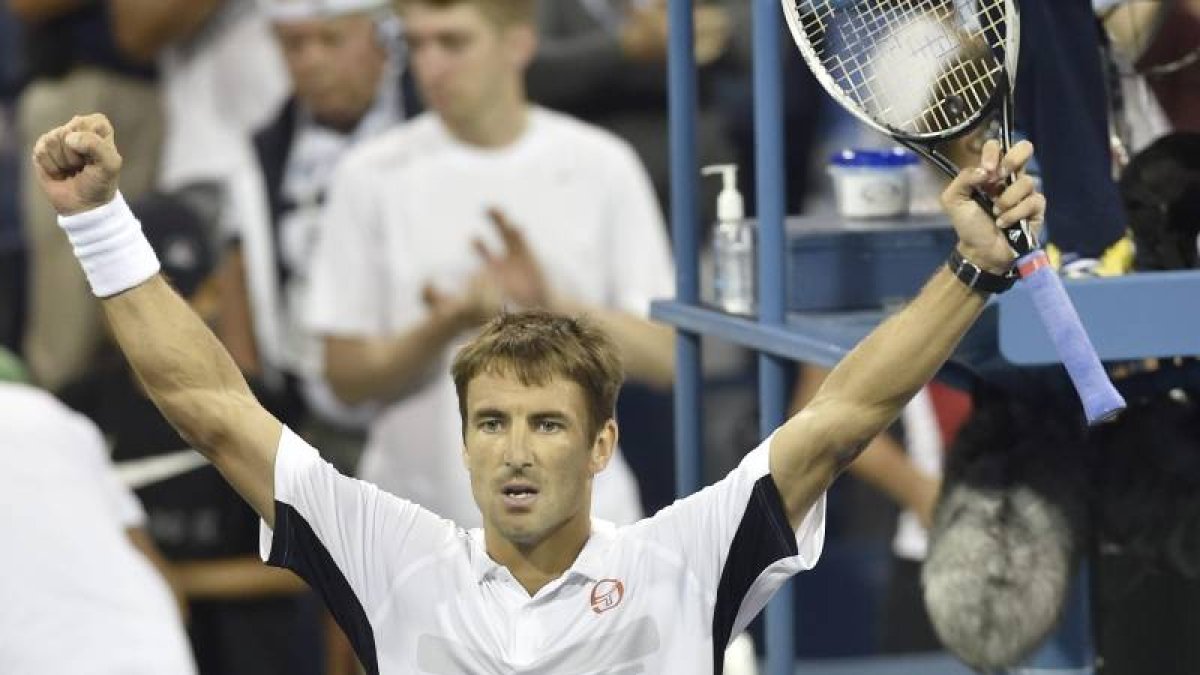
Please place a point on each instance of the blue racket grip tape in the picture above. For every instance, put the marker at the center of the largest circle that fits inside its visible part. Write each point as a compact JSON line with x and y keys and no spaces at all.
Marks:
{"x":1101,"y":400}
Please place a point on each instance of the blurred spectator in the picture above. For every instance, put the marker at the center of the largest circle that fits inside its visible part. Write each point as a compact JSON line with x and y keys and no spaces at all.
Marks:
{"x":1136,"y":118}
{"x":79,"y":595}
{"x":76,"y":60}
{"x":344,"y":57}
{"x":12,"y":247}
{"x":244,"y":617}
{"x":485,"y":200}
{"x":604,"y":61}
{"x":223,"y":78}
{"x":1172,"y":64}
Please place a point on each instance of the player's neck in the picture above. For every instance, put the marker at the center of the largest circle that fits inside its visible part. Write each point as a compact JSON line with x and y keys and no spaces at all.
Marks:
{"x":535,"y":565}
{"x":499,"y":125}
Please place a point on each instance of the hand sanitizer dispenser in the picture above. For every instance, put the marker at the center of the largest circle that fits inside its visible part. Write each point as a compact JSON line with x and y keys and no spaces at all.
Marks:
{"x":733,"y":247}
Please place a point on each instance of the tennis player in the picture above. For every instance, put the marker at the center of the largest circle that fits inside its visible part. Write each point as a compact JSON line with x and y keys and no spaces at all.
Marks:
{"x":541,"y":588}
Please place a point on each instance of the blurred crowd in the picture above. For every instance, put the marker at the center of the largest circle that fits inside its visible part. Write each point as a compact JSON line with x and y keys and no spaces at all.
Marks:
{"x":345,"y":189}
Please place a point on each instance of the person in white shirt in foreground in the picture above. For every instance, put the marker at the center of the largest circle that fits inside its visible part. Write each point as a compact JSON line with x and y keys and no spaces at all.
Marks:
{"x":80,"y":577}
{"x":541,"y":588}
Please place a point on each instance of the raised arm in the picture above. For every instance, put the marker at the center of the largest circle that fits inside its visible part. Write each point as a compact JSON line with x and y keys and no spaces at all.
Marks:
{"x":184,"y":369}
{"x":867,"y":390}
{"x":883,"y":463}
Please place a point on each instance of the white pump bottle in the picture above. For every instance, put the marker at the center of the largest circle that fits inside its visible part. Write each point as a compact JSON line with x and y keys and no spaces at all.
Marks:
{"x":733,"y":247}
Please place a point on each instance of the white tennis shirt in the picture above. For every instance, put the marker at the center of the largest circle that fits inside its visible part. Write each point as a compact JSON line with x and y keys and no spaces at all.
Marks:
{"x":417,"y":594}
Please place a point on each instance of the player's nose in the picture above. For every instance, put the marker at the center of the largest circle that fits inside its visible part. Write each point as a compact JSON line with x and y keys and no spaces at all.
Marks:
{"x":516,"y":451}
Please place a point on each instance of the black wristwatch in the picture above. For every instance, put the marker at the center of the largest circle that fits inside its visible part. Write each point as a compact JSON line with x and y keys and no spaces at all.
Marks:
{"x":977,"y":278}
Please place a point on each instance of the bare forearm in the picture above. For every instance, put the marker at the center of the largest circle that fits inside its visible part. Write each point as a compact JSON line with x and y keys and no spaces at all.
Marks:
{"x":885,"y":466}
{"x":235,"y":578}
{"x":142,"y":541}
{"x":384,"y":369}
{"x":235,"y":323}
{"x":647,"y":348}
{"x":144,"y":27}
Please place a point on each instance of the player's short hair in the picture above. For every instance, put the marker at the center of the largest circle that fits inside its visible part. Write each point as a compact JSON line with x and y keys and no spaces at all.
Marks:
{"x":536,"y":346}
{"x":501,"y":12}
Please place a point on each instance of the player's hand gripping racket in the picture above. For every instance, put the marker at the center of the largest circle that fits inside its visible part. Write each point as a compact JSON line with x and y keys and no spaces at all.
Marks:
{"x":928,"y":71}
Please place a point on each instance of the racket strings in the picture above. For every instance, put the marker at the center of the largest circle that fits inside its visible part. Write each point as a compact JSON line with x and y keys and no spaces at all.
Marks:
{"x":887,"y":57}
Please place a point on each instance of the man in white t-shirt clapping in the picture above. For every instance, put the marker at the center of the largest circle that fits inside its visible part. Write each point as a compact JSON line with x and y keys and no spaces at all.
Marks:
{"x":484,"y":201}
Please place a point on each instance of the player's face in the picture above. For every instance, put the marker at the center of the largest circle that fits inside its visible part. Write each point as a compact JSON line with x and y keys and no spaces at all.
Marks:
{"x":463,"y":62}
{"x":335,"y":64}
{"x":530,"y":457}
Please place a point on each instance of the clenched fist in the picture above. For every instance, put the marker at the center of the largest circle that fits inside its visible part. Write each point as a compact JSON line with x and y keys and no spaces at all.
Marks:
{"x":77,"y":164}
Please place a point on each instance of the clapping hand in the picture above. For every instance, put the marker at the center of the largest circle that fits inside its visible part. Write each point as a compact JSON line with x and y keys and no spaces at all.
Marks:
{"x":515,"y":270}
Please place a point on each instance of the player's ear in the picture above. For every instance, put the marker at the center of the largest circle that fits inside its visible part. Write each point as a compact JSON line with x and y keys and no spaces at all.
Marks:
{"x":603,"y":445}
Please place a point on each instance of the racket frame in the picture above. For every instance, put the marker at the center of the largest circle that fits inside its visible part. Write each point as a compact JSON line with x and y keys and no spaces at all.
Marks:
{"x":1019,"y":235}
{"x":1100,"y":399}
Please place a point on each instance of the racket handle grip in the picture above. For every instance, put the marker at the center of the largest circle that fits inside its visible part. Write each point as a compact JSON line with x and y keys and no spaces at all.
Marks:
{"x":1101,"y":400}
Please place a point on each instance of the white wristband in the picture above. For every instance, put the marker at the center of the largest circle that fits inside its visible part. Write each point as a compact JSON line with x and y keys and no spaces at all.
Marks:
{"x":110,"y":246}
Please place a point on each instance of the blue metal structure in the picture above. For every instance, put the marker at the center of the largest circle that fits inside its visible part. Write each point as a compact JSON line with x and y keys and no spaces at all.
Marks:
{"x":772,"y":397}
{"x":684,"y":227}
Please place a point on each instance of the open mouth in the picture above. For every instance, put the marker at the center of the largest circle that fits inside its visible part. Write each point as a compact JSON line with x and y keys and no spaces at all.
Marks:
{"x":518,"y":495}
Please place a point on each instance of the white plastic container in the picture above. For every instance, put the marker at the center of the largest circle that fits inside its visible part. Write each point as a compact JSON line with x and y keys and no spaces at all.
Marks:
{"x":872,"y":183}
{"x":734,"y":257}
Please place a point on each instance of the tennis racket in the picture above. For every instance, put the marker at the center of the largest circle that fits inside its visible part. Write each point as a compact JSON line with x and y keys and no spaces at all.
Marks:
{"x":928,"y":71}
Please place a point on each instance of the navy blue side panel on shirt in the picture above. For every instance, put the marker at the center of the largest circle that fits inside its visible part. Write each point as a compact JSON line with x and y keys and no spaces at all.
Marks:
{"x":297,"y":548}
{"x":763,"y":538}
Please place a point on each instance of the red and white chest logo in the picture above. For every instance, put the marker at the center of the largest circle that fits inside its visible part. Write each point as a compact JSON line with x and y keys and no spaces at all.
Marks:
{"x":607,"y":594}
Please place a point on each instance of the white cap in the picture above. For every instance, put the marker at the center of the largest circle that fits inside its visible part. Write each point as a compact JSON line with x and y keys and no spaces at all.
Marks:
{"x":729,"y":203}
{"x":299,"y":10}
